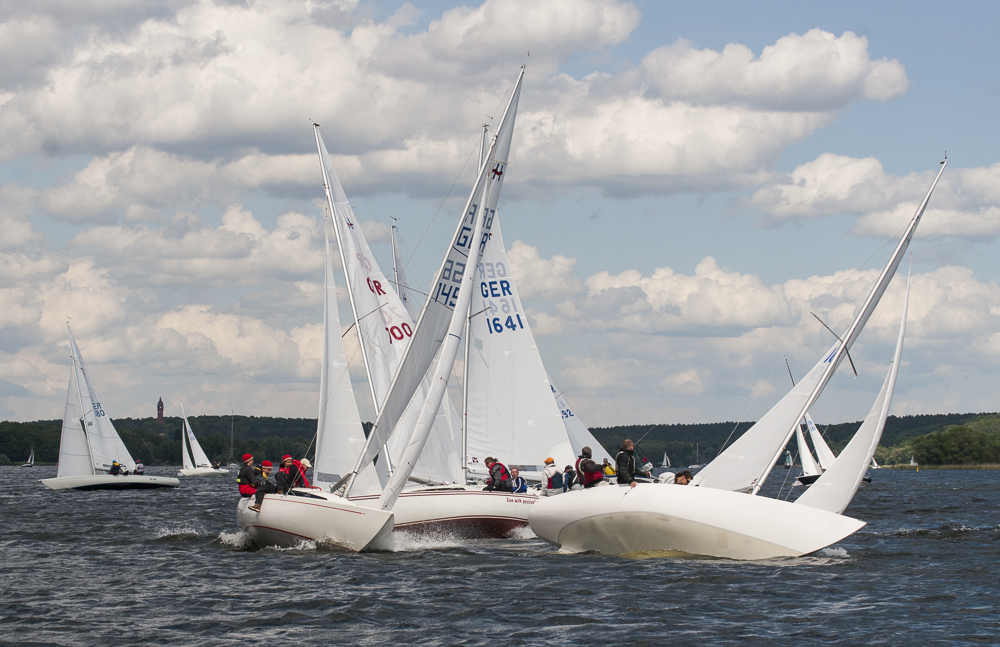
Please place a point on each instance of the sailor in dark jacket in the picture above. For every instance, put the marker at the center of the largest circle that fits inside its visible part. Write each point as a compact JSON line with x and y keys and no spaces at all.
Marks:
{"x":499,"y":476}
{"x":264,"y":485}
{"x":625,"y":464}
{"x":247,"y":479}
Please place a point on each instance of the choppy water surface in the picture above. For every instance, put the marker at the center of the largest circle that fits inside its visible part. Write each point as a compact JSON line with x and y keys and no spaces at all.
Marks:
{"x":172,"y":567}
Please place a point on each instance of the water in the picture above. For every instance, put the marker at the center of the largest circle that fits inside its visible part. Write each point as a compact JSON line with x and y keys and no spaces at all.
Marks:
{"x":171,"y":567}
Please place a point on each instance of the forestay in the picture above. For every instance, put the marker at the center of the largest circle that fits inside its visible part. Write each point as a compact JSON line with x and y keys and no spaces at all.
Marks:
{"x":339,"y":433}
{"x":436,"y":315}
{"x":834,"y":490}
{"x":512,"y":414}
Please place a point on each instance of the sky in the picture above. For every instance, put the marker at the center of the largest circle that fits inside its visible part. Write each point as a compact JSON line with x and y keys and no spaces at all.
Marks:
{"x":688,"y":184}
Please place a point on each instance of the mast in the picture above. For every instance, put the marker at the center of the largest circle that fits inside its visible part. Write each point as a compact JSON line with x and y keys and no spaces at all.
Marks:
{"x":232,"y":416}
{"x":343,"y":261}
{"x":483,"y":151}
{"x":79,"y":395}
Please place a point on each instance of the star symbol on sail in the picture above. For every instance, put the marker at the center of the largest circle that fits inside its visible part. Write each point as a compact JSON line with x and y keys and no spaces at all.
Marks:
{"x":350,"y":224}
{"x":498,"y":171}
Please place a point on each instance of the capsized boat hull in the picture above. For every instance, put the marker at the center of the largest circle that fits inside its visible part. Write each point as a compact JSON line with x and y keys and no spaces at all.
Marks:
{"x":203,"y":471}
{"x":465,"y":512}
{"x":109,"y":482}
{"x":700,"y":521}
{"x":312,"y":515}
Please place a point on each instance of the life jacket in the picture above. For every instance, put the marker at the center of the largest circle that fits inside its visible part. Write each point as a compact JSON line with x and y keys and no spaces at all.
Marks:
{"x":556,"y":481}
{"x":301,"y":480}
{"x":504,"y":474}
{"x":586,"y":478}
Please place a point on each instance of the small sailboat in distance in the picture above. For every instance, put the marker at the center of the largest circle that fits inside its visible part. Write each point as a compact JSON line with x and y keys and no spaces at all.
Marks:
{"x":666,"y":460}
{"x":201,"y":466}
{"x":92,"y":455}
{"x":31,"y":459}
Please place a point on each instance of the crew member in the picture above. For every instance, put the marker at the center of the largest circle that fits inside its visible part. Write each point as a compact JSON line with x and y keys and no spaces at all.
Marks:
{"x":265,"y":486}
{"x":499,"y":476}
{"x":609,"y":469}
{"x":552,"y":481}
{"x":588,"y":472}
{"x":246,"y":479}
{"x":683,"y":478}
{"x":139,"y":467}
{"x":292,"y":474}
{"x":116,"y":468}
{"x":519,"y":485}
{"x":625,"y":464}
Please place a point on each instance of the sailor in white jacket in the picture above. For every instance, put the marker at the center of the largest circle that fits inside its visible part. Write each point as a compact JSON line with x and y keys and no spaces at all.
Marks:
{"x":552,"y":479}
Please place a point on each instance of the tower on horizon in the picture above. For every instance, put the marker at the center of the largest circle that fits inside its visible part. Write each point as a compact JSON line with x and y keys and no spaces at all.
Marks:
{"x":159,"y":411}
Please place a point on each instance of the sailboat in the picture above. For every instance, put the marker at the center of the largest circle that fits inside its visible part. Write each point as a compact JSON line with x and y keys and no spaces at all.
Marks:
{"x":200,"y":466}
{"x":31,"y":459}
{"x":666,"y":461}
{"x":722,"y":515}
{"x":697,"y":459}
{"x":418,"y":385}
{"x":89,"y":442}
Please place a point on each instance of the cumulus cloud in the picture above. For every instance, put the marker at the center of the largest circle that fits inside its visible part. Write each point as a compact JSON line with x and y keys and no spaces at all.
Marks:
{"x":966,"y":202}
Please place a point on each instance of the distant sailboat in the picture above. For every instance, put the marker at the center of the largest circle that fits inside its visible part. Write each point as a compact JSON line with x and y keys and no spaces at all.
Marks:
{"x":90,"y":445}
{"x":875,"y":465}
{"x":913,"y":463}
{"x":200,"y":466}
{"x":666,"y":460}
{"x":31,"y":459}
{"x":697,"y":459}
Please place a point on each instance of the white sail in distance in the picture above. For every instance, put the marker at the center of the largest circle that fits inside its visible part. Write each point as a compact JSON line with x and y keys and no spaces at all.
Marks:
{"x":823,"y":452}
{"x":809,"y":466}
{"x":384,"y":324}
{"x":339,"y":433}
{"x":745,"y":464}
{"x":200,"y":458}
{"x":444,"y":296}
{"x":104,"y":442}
{"x":185,"y":455}
{"x":834,"y":490}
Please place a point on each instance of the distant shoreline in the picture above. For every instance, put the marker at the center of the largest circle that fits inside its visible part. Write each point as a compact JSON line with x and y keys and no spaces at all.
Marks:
{"x":986,"y":466}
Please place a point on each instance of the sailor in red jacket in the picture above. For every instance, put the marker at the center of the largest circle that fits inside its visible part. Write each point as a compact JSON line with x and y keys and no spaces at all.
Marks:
{"x":246,"y":479}
{"x":292,"y":473}
{"x":588,"y":472}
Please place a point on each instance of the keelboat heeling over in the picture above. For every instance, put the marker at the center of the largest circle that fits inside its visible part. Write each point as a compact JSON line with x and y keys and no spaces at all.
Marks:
{"x":720,"y":515}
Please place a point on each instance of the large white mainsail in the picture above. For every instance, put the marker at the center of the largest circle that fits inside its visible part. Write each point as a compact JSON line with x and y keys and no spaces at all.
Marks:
{"x":185,"y":455}
{"x":385,"y":327}
{"x":445,"y":296}
{"x":745,"y":464}
{"x":338,"y":428}
{"x":511,"y":410}
{"x":834,"y":490}
{"x":74,"y":448}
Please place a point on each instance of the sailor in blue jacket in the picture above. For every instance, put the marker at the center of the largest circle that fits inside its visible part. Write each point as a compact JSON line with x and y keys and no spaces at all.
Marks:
{"x":520,"y":486}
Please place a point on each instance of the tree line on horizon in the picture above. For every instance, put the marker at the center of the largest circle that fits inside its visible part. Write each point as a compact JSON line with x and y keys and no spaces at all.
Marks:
{"x":932,"y":439}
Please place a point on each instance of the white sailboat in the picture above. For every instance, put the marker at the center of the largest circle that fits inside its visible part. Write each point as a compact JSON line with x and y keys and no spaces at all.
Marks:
{"x":666,"y":461}
{"x":719,"y":516}
{"x":200,"y":466}
{"x":337,"y":514}
{"x":89,"y":442}
{"x":31,"y":459}
{"x":810,"y":468}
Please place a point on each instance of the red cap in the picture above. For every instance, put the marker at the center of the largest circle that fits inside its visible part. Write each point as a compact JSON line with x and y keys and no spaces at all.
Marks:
{"x":247,"y":457}
{"x":286,"y":457}
{"x":266,"y":464}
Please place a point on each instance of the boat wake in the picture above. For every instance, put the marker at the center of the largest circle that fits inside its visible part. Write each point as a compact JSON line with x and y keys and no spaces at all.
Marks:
{"x":406,"y":542}
{"x":838,"y":553}
{"x":176,"y":534}
{"x":236,"y":540}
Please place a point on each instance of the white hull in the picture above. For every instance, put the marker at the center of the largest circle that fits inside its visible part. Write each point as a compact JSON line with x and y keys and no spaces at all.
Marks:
{"x":203,"y":471}
{"x":109,"y":482}
{"x":700,"y":521}
{"x":287,"y":520}
{"x":466,"y":512}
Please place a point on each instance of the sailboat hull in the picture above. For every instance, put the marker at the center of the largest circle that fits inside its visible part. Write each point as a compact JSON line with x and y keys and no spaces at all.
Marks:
{"x":109,"y":482}
{"x":203,"y":471}
{"x":286,"y":521}
{"x":699,"y":521}
{"x":463,"y":512}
